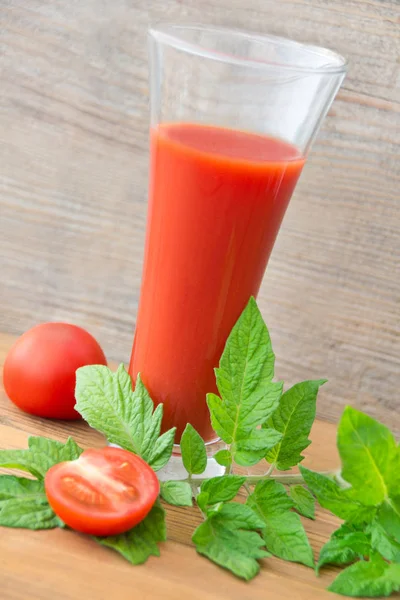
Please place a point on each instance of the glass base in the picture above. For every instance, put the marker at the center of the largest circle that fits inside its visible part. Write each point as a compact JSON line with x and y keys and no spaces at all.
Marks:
{"x":174,"y":469}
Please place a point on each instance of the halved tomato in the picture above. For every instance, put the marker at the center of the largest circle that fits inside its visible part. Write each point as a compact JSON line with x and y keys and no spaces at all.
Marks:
{"x":103,"y":492}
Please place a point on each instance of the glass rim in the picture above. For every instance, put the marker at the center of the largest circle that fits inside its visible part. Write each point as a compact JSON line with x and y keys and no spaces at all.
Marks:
{"x":171,"y":34}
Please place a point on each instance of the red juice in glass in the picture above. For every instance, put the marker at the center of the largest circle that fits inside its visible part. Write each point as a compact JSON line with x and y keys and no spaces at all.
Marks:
{"x":217,"y":199}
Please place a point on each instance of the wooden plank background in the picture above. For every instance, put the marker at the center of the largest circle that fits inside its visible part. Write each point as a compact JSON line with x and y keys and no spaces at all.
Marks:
{"x":73,"y":181}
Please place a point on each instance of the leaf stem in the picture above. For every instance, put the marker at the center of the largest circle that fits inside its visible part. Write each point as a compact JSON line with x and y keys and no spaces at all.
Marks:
{"x":253,"y":479}
{"x":247,"y":488}
{"x":228,"y":469}
{"x":194,"y":487}
{"x":297,"y":478}
{"x":270,"y":470}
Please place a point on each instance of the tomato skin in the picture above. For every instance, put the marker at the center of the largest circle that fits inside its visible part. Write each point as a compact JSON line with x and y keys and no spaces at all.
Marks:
{"x":39,"y":371}
{"x":104,"y":492}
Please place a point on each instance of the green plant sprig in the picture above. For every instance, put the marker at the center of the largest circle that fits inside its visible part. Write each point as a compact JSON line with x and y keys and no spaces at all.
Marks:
{"x":257,"y":421}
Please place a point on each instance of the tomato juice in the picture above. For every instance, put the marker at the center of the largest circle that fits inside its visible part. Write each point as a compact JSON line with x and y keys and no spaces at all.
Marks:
{"x":217,"y":198}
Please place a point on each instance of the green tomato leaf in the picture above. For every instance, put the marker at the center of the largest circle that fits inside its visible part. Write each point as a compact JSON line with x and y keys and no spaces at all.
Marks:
{"x":339,"y":501}
{"x":369,"y":579}
{"x":226,"y":540}
{"x":178,"y":493}
{"x":248,"y":396}
{"x":214,"y":509}
{"x":283,"y":531}
{"x":344,"y":549}
{"x":107,"y":402}
{"x":250,"y":448}
{"x":303,"y":501}
{"x":162,"y":450}
{"x":285,"y":537}
{"x":223,"y":458}
{"x":222,"y":422}
{"x":21,"y":460}
{"x":347,"y":528}
{"x":52,"y":452}
{"x":389,"y":517}
{"x":384,"y":543}
{"x":293,"y":419}
{"x":141,"y":542}
{"x":43,"y":453}
{"x":202,"y":501}
{"x":236,"y":515}
{"x":222,"y":489}
{"x":255,"y":410}
{"x":234,"y":424}
{"x":145,"y":422}
{"x":247,"y":362}
{"x":269,"y":497}
{"x":193,"y":449}
{"x":370,"y":457}
{"x":23,"y":503}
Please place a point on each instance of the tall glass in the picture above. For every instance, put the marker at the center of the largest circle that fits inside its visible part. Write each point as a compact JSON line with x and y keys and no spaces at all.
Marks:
{"x":233,"y":116}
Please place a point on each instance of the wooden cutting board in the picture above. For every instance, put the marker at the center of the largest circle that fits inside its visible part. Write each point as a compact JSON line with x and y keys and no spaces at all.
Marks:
{"x":61,"y":564}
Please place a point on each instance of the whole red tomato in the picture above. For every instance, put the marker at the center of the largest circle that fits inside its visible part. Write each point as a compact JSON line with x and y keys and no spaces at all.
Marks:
{"x":39,"y":371}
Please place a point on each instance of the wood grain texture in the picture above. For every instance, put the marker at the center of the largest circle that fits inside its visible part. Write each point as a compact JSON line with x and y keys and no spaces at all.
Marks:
{"x":73,"y":180}
{"x":36,"y":565}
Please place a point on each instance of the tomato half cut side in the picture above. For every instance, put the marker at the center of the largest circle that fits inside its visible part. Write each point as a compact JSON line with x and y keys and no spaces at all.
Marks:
{"x":103,"y":492}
